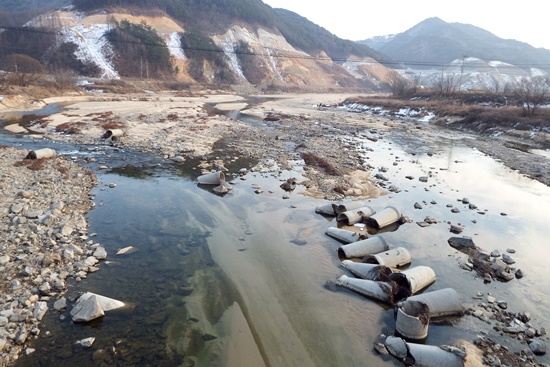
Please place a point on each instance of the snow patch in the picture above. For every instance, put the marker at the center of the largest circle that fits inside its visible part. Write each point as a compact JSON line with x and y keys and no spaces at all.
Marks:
{"x":92,"y":45}
{"x":174,"y":45}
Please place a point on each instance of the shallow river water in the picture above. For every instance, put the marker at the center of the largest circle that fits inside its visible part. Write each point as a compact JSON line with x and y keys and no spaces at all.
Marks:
{"x":239,"y":280}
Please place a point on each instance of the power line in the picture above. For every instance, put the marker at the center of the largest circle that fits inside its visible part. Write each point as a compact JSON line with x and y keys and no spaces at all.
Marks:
{"x":278,"y":53}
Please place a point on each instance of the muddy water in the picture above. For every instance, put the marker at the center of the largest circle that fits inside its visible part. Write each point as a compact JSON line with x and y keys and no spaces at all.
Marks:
{"x":239,"y":280}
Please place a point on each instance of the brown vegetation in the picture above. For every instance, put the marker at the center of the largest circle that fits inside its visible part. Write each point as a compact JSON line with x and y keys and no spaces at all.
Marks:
{"x":475,"y":111}
{"x":313,"y":160}
{"x":32,"y":164}
{"x":69,"y":128}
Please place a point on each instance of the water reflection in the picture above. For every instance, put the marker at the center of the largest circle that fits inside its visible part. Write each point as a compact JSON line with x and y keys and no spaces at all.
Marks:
{"x":247,"y":271}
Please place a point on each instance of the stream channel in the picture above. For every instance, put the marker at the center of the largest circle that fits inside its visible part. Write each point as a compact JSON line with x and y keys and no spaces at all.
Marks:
{"x":239,"y":280}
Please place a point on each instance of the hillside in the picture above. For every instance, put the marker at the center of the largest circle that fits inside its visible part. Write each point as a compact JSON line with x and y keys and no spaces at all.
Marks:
{"x":434,"y":42}
{"x":234,"y":42}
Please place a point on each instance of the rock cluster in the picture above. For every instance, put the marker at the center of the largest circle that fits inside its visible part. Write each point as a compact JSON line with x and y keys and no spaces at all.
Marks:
{"x":44,"y":241}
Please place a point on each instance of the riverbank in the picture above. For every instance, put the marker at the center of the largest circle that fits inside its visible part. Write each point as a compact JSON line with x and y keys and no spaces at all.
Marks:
{"x":181,"y":128}
{"x":45,"y":242}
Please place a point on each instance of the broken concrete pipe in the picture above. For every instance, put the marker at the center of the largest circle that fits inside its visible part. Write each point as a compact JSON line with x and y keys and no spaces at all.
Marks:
{"x":214,"y":178}
{"x":326,"y":209}
{"x":393,"y":258}
{"x":443,"y":302}
{"x":379,"y":290}
{"x":421,"y":354}
{"x":371,"y":245}
{"x":344,"y":207}
{"x":367,"y":271}
{"x":344,"y":235}
{"x":381,"y":219}
{"x":413,"y":280}
{"x":353,"y":216}
{"x":412,"y":321}
{"x":41,"y":153}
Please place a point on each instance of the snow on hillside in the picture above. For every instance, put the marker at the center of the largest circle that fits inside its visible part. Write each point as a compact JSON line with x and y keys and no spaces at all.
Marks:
{"x":174,"y":45}
{"x":92,"y":46}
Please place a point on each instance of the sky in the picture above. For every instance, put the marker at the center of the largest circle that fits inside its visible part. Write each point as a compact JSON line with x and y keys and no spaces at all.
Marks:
{"x":356,"y":20}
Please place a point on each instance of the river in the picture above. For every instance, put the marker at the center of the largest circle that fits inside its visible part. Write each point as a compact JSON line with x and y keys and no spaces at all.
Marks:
{"x":239,"y":280}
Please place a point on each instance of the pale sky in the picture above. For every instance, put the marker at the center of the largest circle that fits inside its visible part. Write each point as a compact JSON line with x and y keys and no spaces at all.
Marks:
{"x":355,"y":20}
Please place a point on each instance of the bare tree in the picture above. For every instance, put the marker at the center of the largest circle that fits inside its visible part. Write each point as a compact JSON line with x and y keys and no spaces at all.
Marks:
{"x":25,"y":68}
{"x":531,"y":93}
{"x":399,"y":85}
{"x":3,"y":81}
{"x":446,"y":83}
{"x":416,"y":82}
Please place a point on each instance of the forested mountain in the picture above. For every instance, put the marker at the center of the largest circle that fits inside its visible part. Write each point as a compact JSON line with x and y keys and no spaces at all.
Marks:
{"x":436,"y":43}
{"x":217,"y":41}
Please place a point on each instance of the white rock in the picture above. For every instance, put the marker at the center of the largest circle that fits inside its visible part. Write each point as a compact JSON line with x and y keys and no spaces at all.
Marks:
{"x":87,"y":343}
{"x":87,"y":309}
{"x":106,"y":303}
{"x":126,"y":250}
{"x":60,"y":304}
{"x":100,"y":253}
{"x":66,"y":231}
{"x":40,"y":310}
{"x":90,"y":261}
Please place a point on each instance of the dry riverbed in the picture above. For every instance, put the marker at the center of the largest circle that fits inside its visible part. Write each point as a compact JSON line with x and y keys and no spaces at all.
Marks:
{"x":43,"y":203}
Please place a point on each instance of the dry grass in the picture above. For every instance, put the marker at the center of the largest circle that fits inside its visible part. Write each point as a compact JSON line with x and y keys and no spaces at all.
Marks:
{"x":32,"y":164}
{"x":476,"y":111}
{"x":69,"y":128}
{"x":173,"y":117}
{"x":313,"y":160}
{"x":340,"y":189}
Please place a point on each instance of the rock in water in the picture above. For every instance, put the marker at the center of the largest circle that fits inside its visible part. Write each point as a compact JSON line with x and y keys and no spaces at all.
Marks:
{"x":461,"y":243}
{"x":87,"y":309}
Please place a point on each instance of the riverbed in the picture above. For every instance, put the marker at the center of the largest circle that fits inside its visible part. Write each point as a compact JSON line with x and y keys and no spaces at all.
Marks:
{"x":239,"y":279}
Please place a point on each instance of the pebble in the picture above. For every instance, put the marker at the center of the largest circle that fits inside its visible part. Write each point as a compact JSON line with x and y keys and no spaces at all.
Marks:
{"x":52,"y":219}
{"x":507,"y":259}
{"x":538,"y":347}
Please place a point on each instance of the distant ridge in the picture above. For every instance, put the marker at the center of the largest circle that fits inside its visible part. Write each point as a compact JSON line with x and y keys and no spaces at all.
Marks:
{"x":436,"y":43}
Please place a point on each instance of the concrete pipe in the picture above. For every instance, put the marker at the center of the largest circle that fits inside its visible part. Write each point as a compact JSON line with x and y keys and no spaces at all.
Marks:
{"x":412,"y":321}
{"x":355,"y":215}
{"x":413,"y":280}
{"x":41,"y":153}
{"x":433,"y":356}
{"x":386,"y":217}
{"x":371,"y":245}
{"x":378,"y":290}
{"x":326,"y":209}
{"x":214,"y":178}
{"x":393,"y":258}
{"x":344,"y":207}
{"x":443,"y":302}
{"x":421,"y":355}
{"x":117,"y":133}
{"x":367,"y":271}
{"x":344,"y":235}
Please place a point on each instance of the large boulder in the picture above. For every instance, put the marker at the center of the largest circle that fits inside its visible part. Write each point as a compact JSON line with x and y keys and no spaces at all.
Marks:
{"x":87,"y":309}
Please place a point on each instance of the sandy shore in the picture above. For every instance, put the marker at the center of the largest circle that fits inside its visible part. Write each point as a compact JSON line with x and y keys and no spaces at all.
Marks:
{"x":180,"y":127}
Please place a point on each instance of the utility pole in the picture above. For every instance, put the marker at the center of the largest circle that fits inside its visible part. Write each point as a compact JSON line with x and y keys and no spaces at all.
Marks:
{"x":461,"y":73}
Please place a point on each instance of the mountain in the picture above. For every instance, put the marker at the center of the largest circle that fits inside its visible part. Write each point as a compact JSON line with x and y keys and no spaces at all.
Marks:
{"x":436,"y":43}
{"x":222,"y":42}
